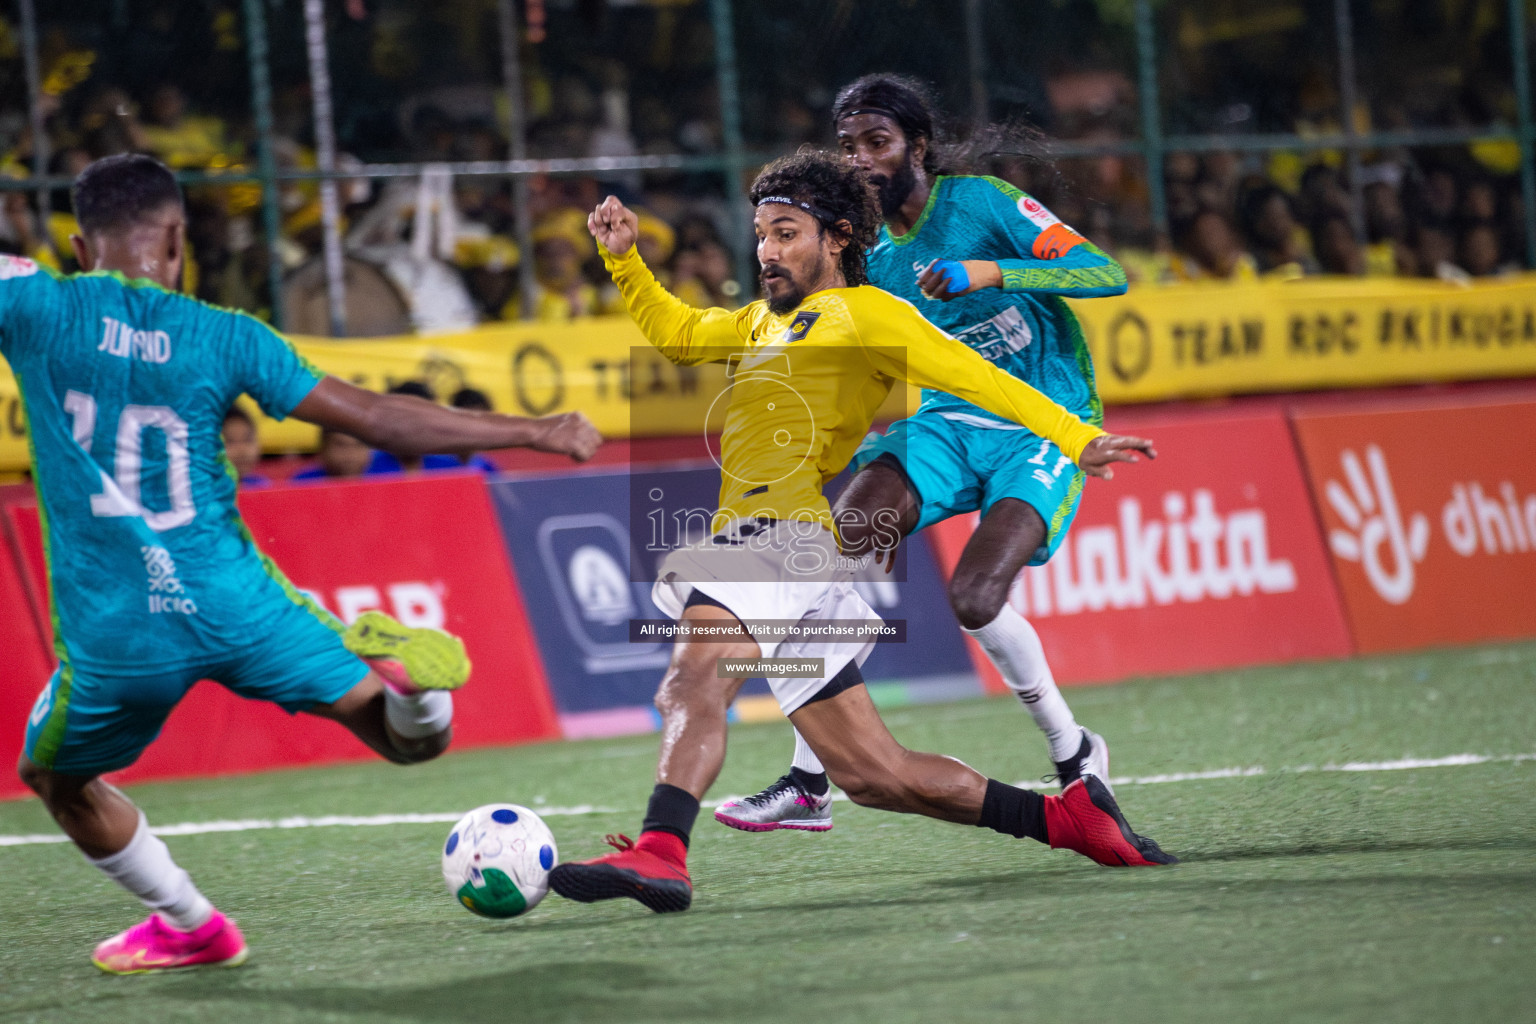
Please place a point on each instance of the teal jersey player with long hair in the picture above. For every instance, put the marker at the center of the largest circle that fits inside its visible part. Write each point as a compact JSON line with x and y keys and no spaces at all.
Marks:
{"x":155,"y":582}
{"x":1018,"y":321}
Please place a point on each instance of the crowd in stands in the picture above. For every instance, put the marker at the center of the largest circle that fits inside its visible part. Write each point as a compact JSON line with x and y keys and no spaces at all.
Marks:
{"x":1433,"y":214}
{"x":435,"y":252}
{"x":439,"y":252}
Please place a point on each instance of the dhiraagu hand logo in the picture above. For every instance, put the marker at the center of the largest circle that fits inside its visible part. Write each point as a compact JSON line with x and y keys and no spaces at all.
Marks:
{"x":1374,"y":533}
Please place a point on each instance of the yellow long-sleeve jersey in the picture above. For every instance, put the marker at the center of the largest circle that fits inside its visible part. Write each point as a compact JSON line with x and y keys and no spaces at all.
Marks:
{"x":806,"y":385}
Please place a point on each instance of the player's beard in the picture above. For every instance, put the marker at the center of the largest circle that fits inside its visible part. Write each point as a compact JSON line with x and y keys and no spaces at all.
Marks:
{"x":796,"y":294}
{"x":895,"y":189}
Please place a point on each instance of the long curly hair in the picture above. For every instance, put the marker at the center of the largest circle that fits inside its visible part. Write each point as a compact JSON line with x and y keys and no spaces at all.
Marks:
{"x":845,"y":202}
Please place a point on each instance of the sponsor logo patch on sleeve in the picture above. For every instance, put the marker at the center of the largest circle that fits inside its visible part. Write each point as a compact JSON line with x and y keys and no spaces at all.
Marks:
{"x":1036,"y":214}
{"x":16,"y":266}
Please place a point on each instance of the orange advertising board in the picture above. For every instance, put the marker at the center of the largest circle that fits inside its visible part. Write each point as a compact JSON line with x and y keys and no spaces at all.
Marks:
{"x":1429,"y":511}
{"x":1207,"y":558}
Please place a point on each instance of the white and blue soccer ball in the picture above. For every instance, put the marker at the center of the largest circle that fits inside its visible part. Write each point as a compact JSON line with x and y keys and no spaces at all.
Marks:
{"x":497,"y":859}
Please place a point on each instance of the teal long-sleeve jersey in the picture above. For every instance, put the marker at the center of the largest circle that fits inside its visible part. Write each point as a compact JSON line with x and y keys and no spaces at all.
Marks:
{"x":125,"y":386}
{"x":1024,"y":327}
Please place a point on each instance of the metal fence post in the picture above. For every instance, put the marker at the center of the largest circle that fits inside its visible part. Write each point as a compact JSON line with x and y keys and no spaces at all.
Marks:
{"x":266,"y":159}
{"x":976,"y":57}
{"x":1151,"y":116}
{"x":512,"y":82}
{"x":1344,"y":30}
{"x":325,"y":157}
{"x":1519,"y":40}
{"x":730,"y":132}
{"x":33,"y":71}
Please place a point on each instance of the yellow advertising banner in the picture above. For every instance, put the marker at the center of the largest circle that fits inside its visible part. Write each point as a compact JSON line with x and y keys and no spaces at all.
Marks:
{"x":602,"y":366}
{"x":1149,"y":345}
{"x":1214,"y":339}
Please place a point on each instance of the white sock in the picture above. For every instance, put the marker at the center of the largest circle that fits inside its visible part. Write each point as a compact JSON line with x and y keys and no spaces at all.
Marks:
{"x":805,"y":758}
{"x":1014,"y":647}
{"x":144,"y":867}
{"x":417,"y":715}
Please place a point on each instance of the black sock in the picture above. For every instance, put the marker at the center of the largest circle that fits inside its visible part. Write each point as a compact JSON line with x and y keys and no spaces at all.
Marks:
{"x":671,"y":810}
{"x":814,"y":783}
{"x":1013,"y":812}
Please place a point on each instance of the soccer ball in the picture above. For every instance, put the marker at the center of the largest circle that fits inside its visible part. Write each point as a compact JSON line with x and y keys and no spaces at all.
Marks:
{"x":497,"y":859}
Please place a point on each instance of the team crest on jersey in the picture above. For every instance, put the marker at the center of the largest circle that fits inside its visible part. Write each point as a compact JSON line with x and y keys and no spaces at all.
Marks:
{"x":800,"y":326}
{"x":16,"y":266}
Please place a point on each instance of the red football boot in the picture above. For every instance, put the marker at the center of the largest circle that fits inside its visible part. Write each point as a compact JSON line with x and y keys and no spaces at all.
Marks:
{"x":1085,"y":819}
{"x":653,"y":871}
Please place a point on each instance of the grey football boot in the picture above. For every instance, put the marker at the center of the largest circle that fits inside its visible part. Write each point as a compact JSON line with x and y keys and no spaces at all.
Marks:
{"x":782,"y":805}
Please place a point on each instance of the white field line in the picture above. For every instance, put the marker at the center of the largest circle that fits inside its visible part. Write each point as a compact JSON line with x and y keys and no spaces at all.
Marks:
{"x":195,"y":828}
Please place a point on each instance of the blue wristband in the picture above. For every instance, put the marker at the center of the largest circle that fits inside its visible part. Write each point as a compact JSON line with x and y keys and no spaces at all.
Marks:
{"x":953,"y":275}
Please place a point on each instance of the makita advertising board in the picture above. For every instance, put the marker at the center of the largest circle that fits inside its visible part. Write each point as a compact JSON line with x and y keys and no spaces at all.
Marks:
{"x":1208,"y":557}
{"x":585,"y":549}
{"x":1430,"y":515}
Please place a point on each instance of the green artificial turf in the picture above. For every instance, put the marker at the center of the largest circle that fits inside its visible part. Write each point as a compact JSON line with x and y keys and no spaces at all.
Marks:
{"x":1403,"y":895}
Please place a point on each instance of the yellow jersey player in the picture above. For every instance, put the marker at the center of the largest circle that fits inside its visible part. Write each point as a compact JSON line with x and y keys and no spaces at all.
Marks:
{"x":991,"y":266}
{"x":811,"y":365}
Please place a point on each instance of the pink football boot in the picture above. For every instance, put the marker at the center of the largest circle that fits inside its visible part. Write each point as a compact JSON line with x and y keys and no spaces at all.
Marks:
{"x":153,"y":945}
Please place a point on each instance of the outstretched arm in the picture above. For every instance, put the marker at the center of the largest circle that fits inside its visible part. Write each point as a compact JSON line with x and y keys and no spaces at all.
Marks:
{"x":1048,"y":257}
{"x":680,"y":332}
{"x":285,"y":384}
{"x":910,"y":348}
{"x":407,"y":425}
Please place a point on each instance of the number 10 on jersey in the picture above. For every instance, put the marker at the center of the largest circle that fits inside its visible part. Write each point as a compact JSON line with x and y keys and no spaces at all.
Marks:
{"x":120,"y":492}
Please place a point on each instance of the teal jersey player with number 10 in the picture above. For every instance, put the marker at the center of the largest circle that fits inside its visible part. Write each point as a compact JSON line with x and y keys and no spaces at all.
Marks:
{"x":155,"y":582}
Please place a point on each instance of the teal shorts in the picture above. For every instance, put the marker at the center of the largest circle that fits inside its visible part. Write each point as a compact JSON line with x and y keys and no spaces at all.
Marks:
{"x":87,"y":722}
{"x":957,"y":462}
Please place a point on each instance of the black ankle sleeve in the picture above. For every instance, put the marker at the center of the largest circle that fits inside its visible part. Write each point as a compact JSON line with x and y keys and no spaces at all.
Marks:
{"x":814,"y":783}
{"x":1013,"y":812}
{"x":671,"y":810}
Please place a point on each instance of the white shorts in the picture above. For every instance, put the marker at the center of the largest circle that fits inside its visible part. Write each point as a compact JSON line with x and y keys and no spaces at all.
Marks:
{"x":774,"y":571}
